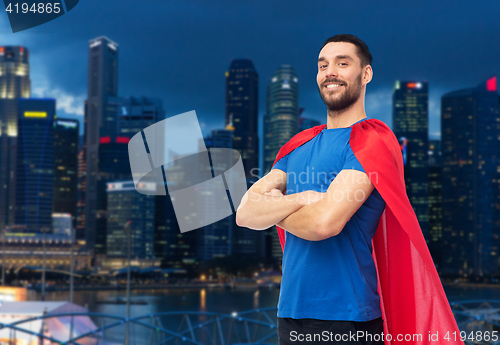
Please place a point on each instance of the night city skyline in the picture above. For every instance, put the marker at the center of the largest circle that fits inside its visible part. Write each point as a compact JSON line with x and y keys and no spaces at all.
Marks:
{"x":176,"y":46}
{"x":92,"y":168}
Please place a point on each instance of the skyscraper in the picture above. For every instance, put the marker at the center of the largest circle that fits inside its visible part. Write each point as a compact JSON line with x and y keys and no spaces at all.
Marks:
{"x":242,"y":91}
{"x":242,"y":102}
{"x":166,"y":232}
{"x":435,"y":209}
{"x":66,"y":137}
{"x":282,"y":113}
{"x":126,"y":117}
{"x":102,"y":85}
{"x":14,"y":72}
{"x":181,"y":247}
{"x":110,"y":121}
{"x":281,"y":122}
{"x":82,"y":181}
{"x":14,"y":83}
{"x":126,"y":204}
{"x":137,"y":113}
{"x":410,"y":117}
{"x":216,"y":239}
{"x":35,"y":164}
{"x":471,"y":180}
{"x":80,"y":206}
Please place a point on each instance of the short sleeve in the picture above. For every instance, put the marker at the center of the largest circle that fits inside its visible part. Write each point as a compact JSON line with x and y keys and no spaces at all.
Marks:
{"x":281,"y":164}
{"x":351,"y":162}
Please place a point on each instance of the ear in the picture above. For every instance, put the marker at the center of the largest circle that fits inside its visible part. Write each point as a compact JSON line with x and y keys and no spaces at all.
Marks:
{"x":367,"y":74}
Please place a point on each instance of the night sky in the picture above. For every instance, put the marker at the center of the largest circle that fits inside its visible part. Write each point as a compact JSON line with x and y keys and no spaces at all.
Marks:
{"x":179,"y":50}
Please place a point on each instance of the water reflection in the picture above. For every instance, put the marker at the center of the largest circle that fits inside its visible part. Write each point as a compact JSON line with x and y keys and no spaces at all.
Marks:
{"x":203,"y":301}
{"x":256,"y":299}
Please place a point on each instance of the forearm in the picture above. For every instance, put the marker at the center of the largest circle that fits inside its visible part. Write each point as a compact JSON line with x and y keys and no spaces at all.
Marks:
{"x":307,"y":223}
{"x":259,"y":211}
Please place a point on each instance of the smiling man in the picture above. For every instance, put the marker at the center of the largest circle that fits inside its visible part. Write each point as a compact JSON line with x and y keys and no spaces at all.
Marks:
{"x":349,"y":226}
{"x":329,"y":278}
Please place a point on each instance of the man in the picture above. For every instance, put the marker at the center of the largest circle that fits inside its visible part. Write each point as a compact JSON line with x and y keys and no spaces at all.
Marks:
{"x":331,"y":287}
{"x":334,"y":277}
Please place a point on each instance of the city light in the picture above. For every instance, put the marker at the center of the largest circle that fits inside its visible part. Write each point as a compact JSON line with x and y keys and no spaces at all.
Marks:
{"x":413,"y":85}
{"x":491,"y":84}
{"x":105,"y":140}
{"x":67,"y":124}
{"x":40,"y":114}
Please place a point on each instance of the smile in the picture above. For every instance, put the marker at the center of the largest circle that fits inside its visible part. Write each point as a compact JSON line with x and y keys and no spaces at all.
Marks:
{"x":333,"y":86}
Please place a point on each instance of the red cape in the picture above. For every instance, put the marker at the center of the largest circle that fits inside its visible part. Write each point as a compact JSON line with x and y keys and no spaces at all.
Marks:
{"x":412,"y":298}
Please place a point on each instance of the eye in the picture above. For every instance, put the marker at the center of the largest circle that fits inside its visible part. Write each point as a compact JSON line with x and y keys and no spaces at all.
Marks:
{"x":343,"y":63}
{"x":321,"y":66}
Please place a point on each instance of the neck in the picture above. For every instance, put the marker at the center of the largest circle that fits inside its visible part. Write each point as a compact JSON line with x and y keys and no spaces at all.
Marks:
{"x":343,"y":118}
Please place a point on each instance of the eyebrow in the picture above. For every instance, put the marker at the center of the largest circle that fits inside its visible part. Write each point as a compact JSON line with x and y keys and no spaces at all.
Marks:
{"x":338,"y":57}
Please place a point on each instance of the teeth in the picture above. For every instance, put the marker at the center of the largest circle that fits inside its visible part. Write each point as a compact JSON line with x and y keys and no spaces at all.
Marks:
{"x":330,"y":86}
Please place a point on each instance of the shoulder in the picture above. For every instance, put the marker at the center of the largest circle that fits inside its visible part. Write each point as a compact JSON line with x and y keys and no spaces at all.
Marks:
{"x":373,"y":138}
{"x":372,"y":131}
{"x":372,"y":124}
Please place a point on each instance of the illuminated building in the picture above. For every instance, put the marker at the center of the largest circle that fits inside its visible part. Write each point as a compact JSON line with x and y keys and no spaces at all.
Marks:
{"x":435,"y":209}
{"x":282,"y":113}
{"x":215,"y":240}
{"x":66,"y":138}
{"x":14,"y":72}
{"x":80,"y":206}
{"x":470,"y":139}
{"x":110,"y":121}
{"x":126,"y":204}
{"x":170,"y":245}
{"x":14,"y":83}
{"x":102,"y":85}
{"x":410,"y":118}
{"x":280,"y":124}
{"x":62,"y":223}
{"x":35,"y":164}
{"x":25,"y":249}
{"x":242,"y":95}
{"x":130,"y":116}
{"x":242,"y":101}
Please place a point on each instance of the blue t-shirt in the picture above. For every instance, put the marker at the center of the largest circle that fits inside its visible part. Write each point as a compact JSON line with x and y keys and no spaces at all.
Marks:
{"x":332,"y":279}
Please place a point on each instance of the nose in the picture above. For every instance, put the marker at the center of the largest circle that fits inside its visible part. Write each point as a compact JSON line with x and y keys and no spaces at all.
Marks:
{"x":331,"y":71}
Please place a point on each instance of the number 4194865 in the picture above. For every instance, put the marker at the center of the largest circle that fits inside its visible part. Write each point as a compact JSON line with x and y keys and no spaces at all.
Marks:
{"x":35,"y":8}
{"x":472,"y":336}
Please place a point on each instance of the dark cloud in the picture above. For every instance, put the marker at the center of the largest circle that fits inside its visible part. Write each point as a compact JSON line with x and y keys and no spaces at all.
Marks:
{"x":180,"y":50}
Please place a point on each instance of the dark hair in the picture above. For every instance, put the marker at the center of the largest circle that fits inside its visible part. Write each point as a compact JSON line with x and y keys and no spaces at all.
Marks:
{"x":363,"y":52}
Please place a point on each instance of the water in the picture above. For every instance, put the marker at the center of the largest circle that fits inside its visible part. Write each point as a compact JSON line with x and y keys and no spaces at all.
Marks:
{"x":207,"y":300}
{"x":473,"y":292}
{"x":202,"y":300}
{"x":215,"y":300}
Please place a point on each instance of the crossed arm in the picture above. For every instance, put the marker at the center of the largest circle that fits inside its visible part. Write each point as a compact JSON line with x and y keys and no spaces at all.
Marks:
{"x":309,"y":215}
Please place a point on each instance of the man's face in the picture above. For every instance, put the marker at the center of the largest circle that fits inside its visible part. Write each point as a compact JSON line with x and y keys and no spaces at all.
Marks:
{"x":339,"y":75}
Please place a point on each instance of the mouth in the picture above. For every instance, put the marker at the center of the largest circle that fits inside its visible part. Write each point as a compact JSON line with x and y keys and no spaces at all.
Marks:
{"x":333,"y":86}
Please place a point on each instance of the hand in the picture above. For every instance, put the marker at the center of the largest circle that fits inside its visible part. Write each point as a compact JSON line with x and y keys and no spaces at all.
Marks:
{"x":310,"y":197}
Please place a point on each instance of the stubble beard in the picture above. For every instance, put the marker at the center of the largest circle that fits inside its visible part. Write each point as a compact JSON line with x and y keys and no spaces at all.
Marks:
{"x":349,"y":96}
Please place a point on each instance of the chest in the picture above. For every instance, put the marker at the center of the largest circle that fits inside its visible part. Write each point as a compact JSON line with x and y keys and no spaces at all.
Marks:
{"x":315,"y":164}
